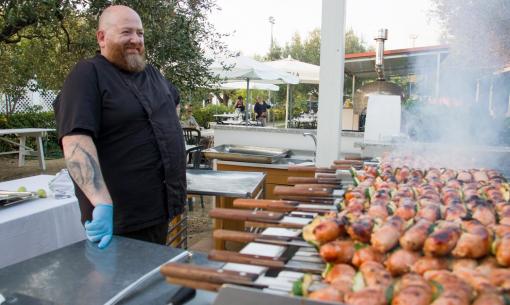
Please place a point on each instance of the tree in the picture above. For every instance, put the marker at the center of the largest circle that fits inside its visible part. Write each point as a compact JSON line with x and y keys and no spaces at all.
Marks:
{"x":42,"y":40}
{"x":477,"y":31}
{"x":308,"y":50}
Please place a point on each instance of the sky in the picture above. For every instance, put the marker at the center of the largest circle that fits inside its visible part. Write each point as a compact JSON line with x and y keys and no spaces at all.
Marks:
{"x":248,"y":22}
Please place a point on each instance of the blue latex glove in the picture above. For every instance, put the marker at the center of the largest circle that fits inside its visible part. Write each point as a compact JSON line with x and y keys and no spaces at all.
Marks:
{"x":100,"y":229}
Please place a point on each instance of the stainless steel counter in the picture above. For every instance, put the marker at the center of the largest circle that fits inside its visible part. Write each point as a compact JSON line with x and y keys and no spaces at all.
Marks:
{"x":282,"y":164}
{"x":83,"y":274}
{"x":224,"y":183}
{"x":345,"y":133}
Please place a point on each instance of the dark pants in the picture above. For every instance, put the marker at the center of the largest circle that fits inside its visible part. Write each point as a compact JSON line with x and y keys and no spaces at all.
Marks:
{"x":154,"y":234}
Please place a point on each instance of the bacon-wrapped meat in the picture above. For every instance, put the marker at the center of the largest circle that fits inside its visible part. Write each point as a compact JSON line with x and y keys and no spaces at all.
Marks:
{"x":455,"y":211}
{"x":500,"y":277}
{"x":443,"y":240}
{"x":366,"y":296}
{"x":474,"y":242}
{"x":426,"y":263}
{"x":328,"y":230}
{"x":484,"y":212}
{"x":367,"y":254}
{"x":414,"y":238}
{"x":480,"y":176}
{"x":489,"y":298}
{"x":361,"y":229}
{"x":463,"y":263}
{"x":406,"y":209}
{"x":378,"y":209}
{"x":414,"y":290}
{"x":504,"y":214}
{"x":464,"y":176}
{"x":387,"y":236}
{"x":475,"y":279}
{"x":338,"y":251}
{"x":401,"y":261}
{"x":355,"y":205}
{"x":503,"y":250}
{"x":341,"y":277}
{"x":455,"y":290}
{"x":328,"y":293}
{"x":430,"y":212}
{"x":375,"y":275}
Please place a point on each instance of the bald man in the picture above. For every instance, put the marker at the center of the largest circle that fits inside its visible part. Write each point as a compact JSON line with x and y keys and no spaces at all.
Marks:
{"x":122,"y":140}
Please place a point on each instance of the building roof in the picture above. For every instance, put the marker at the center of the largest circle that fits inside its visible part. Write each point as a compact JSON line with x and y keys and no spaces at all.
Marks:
{"x":396,"y":62}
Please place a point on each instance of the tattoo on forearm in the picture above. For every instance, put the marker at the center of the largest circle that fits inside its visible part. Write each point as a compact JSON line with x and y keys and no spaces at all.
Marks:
{"x":84,"y":168}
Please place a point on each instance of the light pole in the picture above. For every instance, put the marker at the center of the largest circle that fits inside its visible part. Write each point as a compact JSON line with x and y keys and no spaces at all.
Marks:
{"x":271,"y":21}
{"x":413,"y":39}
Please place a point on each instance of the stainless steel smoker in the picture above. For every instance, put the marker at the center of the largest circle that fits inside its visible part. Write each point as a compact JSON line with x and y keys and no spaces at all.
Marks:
{"x":380,"y":86}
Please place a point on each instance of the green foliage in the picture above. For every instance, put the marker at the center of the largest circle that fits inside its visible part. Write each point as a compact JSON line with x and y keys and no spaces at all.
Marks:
{"x":32,"y":119}
{"x":477,"y":31}
{"x":278,"y":113}
{"x":206,"y":114}
{"x":308,"y":50}
{"x":42,"y":40}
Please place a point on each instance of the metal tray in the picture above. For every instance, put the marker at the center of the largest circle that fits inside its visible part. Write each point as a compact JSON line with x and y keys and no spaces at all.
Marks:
{"x":243,"y":153}
{"x":9,"y":197}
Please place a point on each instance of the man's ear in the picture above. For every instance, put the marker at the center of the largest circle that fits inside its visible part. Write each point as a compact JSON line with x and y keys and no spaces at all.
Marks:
{"x":101,"y":40}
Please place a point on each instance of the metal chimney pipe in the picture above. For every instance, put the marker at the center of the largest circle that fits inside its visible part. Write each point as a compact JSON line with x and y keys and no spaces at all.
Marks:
{"x":382,"y":35}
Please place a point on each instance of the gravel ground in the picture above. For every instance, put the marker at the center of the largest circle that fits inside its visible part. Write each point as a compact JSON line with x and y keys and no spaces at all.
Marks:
{"x":199,"y":218}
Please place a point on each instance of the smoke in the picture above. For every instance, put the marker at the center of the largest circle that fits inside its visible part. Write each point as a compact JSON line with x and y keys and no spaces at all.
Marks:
{"x":462,"y":119}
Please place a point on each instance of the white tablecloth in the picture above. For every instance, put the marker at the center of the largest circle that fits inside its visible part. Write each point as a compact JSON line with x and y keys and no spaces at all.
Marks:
{"x":35,"y":227}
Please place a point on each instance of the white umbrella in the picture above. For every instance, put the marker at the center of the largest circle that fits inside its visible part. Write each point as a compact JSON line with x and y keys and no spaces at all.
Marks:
{"x":248,"y":69}
{"x":307,"y":74}
{"x":245,"y":68}
{"x":242,"y":85}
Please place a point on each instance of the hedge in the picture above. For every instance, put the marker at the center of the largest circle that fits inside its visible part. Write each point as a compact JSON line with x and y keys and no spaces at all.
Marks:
{"x":206,"y":114}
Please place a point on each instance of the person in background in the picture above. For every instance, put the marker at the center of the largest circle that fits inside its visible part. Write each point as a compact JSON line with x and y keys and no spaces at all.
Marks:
{"x":261,"y":108}
{"x":239,"y":104}
{"x":189,"y":119}
{"x":122,"y":140}
{"x":240,"y":108}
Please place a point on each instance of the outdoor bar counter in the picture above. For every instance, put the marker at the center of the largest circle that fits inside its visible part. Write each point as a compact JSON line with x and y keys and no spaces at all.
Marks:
{"x":291,"y":138}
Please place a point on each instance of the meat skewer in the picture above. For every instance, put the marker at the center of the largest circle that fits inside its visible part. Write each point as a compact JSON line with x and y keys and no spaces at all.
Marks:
{"x":414,"y":290}
{"x":387,"y":236}
{"x":414,"y":238}
{"x":443,"y":240}
{"x":474,"y":242}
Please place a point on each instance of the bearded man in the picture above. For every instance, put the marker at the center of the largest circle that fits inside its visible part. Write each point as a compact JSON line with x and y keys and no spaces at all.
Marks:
{"x":122,"y":140}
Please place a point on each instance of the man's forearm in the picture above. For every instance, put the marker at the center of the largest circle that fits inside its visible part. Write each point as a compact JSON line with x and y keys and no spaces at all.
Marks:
{"x":82,"y":162}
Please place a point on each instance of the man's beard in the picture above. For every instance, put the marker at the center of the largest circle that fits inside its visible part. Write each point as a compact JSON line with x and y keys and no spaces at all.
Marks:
{"x":127,"y":62}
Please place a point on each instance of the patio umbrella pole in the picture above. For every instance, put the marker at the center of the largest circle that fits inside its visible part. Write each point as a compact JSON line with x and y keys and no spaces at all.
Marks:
{"x":247,"y":101}
{"x":287,"y":107}
{"x":269,"y":110}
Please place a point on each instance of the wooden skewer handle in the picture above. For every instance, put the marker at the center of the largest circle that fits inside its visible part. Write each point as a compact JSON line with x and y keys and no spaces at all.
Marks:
{"x":206,"y":274}
{"x":295,"y":191}
{"x":239,"y":258}
{"x":237,"y":236}
{"x":246,"y":215}
{"x":266,"y":204}
{"x":194,"y":284}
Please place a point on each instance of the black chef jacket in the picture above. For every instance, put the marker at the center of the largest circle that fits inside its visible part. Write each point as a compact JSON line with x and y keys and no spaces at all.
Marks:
{"x":132,"y":120}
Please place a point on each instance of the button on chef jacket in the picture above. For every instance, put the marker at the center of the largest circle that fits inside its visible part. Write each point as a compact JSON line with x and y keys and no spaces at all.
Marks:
{"x":132,"y":120}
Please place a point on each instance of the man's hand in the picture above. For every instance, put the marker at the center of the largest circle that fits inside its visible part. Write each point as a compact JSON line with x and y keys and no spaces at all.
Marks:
{"x":100,"y":229}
